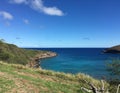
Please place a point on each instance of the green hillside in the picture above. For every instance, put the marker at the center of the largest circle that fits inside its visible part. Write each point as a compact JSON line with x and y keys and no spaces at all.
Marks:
{"x":21,"y":79}
{"x":12,"y":54}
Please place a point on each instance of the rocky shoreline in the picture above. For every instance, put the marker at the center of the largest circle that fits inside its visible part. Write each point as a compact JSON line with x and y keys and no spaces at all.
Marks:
{"x":35,"y":62}
{"x":113,"y":50}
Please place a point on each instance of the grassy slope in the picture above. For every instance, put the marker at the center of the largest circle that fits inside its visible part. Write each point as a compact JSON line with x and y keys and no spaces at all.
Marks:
{"x":21,"y":79}
{"x":12,"y":54}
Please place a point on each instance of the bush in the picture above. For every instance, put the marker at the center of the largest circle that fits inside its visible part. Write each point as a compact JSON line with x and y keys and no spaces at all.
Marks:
{"x":114,"y":69}
{"x":5,"y":56}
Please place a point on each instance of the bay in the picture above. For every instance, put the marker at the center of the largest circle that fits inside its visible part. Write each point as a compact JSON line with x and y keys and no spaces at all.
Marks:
{"x":91,"y":61}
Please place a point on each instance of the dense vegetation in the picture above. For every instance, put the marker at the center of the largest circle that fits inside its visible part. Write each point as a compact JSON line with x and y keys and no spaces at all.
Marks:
{"x":12,"y":54}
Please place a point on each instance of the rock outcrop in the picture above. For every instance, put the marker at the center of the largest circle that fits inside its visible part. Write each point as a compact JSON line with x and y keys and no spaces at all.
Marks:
{"x":35,"y":62}
{"x":113,"y":50}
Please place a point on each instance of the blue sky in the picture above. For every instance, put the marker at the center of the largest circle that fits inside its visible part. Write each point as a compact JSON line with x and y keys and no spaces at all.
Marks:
{"x":60,"y":23}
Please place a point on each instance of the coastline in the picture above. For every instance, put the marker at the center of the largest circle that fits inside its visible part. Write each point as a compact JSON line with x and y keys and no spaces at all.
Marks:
{"x":35,"y":61}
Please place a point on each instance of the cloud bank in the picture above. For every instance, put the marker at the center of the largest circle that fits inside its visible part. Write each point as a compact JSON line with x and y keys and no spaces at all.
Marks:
{"x":6,"y":15}
{"x":39,"y":6}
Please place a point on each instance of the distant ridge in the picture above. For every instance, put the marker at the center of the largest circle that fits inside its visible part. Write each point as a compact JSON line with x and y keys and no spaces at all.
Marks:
{"x":114,"y":49}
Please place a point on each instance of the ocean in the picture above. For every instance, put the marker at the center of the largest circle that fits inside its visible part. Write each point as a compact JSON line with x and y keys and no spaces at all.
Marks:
{"x":91,"y":61}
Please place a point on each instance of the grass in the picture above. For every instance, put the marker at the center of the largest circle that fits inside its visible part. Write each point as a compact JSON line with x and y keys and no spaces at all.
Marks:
{"x":16,"y":78}
{"x":12,"y":54}
{"x":5,"y":84}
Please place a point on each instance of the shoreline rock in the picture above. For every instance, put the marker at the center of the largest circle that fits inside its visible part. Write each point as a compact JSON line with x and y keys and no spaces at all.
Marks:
{"x":113,"y":50}
{"x":35,"y":62}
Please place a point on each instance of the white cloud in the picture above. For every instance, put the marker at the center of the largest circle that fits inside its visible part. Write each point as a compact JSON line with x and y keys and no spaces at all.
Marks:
{"x":39,"y":6}
{"x":6,"y":15}
{"x":53,"y":11}
{"x":26,"y":21}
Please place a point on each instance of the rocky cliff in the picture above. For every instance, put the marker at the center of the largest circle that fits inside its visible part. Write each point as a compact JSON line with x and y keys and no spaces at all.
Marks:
{"x":114,"y":49}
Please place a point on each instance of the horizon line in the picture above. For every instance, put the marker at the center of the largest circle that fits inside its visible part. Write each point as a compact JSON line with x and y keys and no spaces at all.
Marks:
{"x":64,"y":47}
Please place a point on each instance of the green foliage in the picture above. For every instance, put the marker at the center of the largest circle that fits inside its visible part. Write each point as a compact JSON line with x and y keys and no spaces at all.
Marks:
{"x":114,"y":69}
{"x":4,"y":56}
{"x":12,"y":54}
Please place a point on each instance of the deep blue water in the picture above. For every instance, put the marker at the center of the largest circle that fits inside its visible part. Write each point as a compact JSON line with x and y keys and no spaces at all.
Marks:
{"x":90,"y":61}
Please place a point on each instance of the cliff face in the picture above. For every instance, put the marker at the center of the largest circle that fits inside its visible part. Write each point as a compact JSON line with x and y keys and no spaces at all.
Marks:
{"x":114,"y":49}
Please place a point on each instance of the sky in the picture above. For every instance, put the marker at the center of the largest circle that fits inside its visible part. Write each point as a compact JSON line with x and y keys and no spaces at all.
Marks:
{"x":60,"y":23}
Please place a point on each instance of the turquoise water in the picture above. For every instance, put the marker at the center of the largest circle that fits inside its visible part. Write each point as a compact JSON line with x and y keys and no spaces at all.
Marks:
{"x":90,"y":61}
